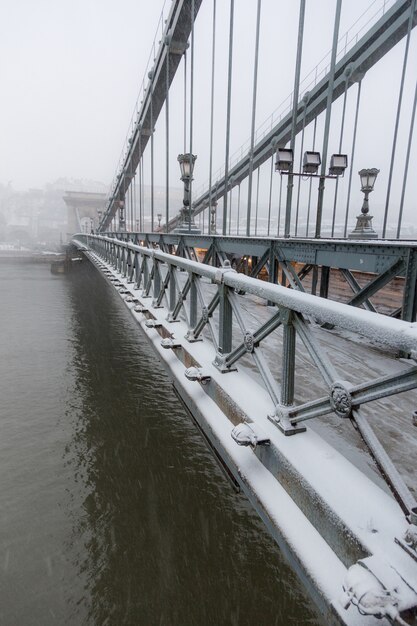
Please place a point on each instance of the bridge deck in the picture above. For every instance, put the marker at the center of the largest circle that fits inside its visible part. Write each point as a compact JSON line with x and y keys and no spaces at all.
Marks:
{"x":317,"y":492}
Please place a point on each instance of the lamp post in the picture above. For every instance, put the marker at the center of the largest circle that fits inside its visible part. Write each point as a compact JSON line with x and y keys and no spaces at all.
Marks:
{"x":363,"y":228}
{"x":213,"y":211}
{"x":121,"y":215}
{"x":99,"y":215}
{"x":187,"y":225}
{"x":311,"y":164}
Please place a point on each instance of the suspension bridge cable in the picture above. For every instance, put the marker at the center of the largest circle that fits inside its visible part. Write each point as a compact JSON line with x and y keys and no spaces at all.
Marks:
{"x":320,"y":197}
{"x":279,"y":205}
{"x":228,"y":107}
{"x":311,"y":180}
{"x":134,"y":201}
{"x":131,"y":206}
{"x":270,"y":193}
{"x":152,"y":162}
{"x":407,"y":161}
{"x":252,"y":136}
{"x":305,"y":100}
{"x":190,"y":203}
{"x":238,"y":208}
{"x":340,"y":150}
{"x":230,"y":207}
{"x":355,"y":128}
{"x":140,"y":187}
{"x":185,"y":101}
{"x":213,"y":57}
{"x":397,"y":117}
{"x":257,"y":202}
{"x":123,"y":210}
{"x":167,"y":137}
{"x":290,"y":181}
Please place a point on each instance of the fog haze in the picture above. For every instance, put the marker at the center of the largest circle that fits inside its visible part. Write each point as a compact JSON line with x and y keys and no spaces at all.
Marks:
{"x":71,"y":72}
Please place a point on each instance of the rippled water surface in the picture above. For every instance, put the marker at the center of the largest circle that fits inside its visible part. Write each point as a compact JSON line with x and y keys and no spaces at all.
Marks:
{"x":113,"y":511}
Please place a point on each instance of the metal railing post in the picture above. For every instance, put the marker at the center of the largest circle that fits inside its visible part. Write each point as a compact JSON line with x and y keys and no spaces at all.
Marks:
{"x":225,"y":321}
{"x":125,"y":257}
{"x":409,"y":305}
{"x":145,"y":274}
{"x":172,"y":293}
{"x":288,"y":357}
{"x":156,"y":283}
{"x":193,"y":301}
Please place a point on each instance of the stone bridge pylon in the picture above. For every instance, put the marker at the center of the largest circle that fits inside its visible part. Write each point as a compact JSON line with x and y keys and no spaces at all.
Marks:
{"x":83,"y":211}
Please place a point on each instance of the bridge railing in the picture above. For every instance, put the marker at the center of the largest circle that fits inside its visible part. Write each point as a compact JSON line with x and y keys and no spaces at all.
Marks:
{"x":210,"y":299}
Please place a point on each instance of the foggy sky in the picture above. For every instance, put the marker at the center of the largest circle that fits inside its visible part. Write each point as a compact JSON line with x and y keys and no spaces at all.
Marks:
{"x":71,"y":72}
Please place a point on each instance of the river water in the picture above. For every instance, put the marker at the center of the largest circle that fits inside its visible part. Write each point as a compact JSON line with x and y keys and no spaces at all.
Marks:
{"x":113,"y":509}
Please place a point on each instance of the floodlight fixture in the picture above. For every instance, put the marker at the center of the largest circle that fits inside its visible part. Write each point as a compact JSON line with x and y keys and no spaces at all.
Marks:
{"x":338,"y":164}
{"x":285,"y":159}
{"x":311,"y":162}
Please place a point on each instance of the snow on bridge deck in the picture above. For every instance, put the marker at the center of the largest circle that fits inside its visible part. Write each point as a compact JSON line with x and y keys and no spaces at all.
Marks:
{"x":326,"y":514}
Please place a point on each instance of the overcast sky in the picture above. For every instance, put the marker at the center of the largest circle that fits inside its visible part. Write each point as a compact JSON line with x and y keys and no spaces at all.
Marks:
{"x":71,"y":71}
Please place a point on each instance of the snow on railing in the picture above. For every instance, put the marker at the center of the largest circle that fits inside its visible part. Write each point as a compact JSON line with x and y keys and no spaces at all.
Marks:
{"x":175,"y":281}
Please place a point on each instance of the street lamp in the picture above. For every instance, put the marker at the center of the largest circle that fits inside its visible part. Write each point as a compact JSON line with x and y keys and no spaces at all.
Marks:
{"x":363,"y":228}
{"x":121,"y":215}
{"x":187,"y":225}
{"x":186,"y":162}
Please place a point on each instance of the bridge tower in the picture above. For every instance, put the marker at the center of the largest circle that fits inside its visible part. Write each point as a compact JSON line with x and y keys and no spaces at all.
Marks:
{"x":83,"y":210}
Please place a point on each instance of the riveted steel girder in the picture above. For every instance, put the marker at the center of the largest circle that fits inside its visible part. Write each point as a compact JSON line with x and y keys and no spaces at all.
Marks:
{"x":171,"y":48}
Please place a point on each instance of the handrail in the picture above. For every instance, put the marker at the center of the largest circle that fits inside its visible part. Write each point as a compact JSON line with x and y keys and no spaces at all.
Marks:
{"x":392,"y":332}
{"x":295,"y":309}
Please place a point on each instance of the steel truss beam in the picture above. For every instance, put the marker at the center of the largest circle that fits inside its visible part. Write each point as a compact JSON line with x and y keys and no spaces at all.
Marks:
{"x":171,"y":49}
{"x":382,"y":259}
